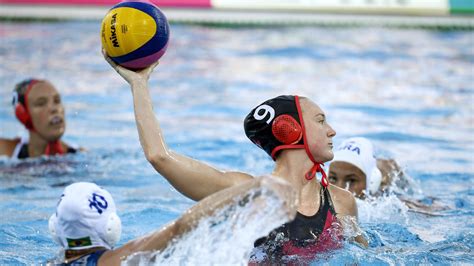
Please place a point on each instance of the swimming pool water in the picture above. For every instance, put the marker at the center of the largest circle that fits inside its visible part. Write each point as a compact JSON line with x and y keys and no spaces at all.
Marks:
{"x":408,"y":90}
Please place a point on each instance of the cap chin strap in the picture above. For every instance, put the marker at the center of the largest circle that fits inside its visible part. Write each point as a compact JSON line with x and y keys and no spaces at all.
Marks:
{"x":54,"y":147}
{"x":317,"y":166}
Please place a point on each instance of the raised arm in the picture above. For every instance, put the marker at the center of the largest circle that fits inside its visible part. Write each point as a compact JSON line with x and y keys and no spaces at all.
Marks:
{"x":192,"y":178}
{"x":248,"y":192}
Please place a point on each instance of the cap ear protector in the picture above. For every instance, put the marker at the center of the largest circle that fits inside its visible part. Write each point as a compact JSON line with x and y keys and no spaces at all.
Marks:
{"x":374,"y":181}
{"x":286,"y":129}
{"x":20,"y":103}
{"x":22,"y":115}
{"x":113,"y":230}
{"x":52,"y":228}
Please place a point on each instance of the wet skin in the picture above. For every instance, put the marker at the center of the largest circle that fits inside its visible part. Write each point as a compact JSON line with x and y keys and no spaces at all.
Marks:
{"x":319,"y":133}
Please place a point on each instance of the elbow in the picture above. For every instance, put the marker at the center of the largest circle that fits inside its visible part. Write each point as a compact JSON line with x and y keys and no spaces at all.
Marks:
{"x":157,"y":159}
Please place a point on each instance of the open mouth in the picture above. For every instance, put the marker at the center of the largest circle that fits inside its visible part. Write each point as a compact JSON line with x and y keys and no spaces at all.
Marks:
{"x":56,"y":121}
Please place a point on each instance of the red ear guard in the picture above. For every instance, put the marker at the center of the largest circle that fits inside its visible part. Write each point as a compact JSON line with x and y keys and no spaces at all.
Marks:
{"x":286,"y":129}
{"x":22,"y":115}
{"x":21,"y":109}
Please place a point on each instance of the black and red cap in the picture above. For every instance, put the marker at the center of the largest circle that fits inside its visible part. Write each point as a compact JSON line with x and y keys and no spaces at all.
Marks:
{"x":274,"y":123}
{"x":277,"y":124}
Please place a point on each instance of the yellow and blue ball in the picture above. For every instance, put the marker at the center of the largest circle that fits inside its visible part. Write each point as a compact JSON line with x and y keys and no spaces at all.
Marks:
{"x":135,"y":34}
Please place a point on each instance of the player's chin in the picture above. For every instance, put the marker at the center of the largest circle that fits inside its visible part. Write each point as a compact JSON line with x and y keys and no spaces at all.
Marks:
{"x":55,"y":134}
{"x":329,"y":156}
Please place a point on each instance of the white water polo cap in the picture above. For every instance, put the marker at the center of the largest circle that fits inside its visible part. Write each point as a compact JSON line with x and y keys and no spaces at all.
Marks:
{"x":85,"y":217}
{"x":359,"y":152}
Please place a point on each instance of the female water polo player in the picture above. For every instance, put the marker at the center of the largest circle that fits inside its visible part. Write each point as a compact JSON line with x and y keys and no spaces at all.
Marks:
{"x":87,"y":227}
{"x":356,"y":169}
{"x":295,"y":133}
{"x":37,"y":105}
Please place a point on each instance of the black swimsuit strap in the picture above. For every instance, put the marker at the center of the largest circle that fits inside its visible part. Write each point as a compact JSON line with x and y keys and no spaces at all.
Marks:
{"x":23,"y":154}
{"x":23,"y":151}
{"x":327,"y":201}
{"x":323,"y":206}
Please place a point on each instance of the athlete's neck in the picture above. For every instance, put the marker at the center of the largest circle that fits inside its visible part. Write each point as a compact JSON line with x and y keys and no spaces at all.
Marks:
{"x":36,"y":144}
{"x":292,"y":165}
{"x":71,"y":255}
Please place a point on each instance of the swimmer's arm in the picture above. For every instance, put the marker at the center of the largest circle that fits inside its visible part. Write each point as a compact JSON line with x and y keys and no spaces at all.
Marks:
{"x":390,"y":170}
{"x":159,"y":240}
{"x":347,"y":212}
{"x":417,"y":206}
{"x":192,"y":178}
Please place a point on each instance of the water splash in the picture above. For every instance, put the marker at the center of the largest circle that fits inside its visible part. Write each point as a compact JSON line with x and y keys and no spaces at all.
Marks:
{"x":382,"y":209}
{"x":226,"y":237}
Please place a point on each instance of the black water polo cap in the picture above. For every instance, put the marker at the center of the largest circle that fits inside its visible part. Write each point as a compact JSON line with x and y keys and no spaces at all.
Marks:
{"x":275,"y":125}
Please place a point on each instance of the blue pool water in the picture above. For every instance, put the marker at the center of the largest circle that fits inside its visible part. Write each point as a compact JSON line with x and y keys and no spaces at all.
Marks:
{"x":411,"y":91}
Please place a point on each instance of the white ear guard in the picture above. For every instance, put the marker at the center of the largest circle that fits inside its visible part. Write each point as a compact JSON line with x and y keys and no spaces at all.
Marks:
{"x":374,"y":180}
{"x":52,"y":228}
{"x":113,"y":230}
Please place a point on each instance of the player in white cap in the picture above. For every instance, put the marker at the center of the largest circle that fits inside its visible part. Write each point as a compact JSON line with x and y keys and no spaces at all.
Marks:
{"x":356,"y":169}
{"x":85,"y":222}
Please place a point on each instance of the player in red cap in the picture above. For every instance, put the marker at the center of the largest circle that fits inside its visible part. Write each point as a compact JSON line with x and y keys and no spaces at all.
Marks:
{"x":294,"y":132}
{"x":37,"y":105}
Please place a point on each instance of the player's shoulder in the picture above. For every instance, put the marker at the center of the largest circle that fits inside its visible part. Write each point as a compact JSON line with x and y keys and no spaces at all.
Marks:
{"x":7,"y":146}
{"x":343,"y":200}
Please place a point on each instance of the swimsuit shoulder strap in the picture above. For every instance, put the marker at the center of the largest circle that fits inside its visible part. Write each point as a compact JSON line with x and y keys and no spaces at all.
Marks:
{"x":323,"y":201}
{"x":93,"y":258}
{"x":20,"y":149}
{"x":328,"y":204}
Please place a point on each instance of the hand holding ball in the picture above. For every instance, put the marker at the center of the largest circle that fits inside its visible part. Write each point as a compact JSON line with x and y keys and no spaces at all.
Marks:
{"x":135,"y":34}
